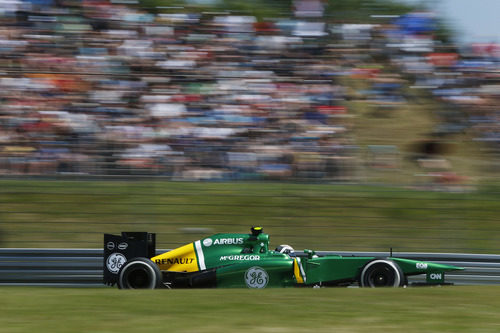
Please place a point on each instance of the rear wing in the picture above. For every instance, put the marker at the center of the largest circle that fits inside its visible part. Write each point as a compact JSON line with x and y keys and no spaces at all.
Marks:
{"x":119,"y":249}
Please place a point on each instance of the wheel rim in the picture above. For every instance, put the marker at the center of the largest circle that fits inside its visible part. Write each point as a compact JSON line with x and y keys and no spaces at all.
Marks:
{"x":138,"y":275}
{"x":138,"y":278}
{"x":381,"y":277}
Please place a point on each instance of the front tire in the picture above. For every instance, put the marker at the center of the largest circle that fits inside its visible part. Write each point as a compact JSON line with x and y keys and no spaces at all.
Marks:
{"x":381,"y":273}
{"x":139,"y":273}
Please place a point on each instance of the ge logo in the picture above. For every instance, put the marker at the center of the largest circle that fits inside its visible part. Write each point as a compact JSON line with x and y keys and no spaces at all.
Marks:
{"x":256,"y":277}
{"x":115,"y":262}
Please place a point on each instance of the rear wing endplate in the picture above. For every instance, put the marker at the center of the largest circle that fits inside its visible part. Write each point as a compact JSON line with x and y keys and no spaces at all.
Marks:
{"x":119,"y":249}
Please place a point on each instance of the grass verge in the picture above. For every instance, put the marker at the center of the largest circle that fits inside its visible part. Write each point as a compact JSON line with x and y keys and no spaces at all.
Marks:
{"x":445,"y":309}
{"x":75,"y":214}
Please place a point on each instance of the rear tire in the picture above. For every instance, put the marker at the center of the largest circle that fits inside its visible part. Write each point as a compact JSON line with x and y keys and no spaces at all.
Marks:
{"x":382,"y":273}
{"x":139,"y":273}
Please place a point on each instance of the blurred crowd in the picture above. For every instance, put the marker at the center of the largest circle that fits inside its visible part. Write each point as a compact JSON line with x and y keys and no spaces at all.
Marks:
{"x":98,"y":88}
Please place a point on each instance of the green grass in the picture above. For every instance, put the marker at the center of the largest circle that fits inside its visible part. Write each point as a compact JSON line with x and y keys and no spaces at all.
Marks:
{"x":75,"y":214}
{"x":445,"y":309}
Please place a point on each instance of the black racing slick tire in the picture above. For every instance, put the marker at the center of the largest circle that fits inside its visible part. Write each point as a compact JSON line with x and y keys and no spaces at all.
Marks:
{"x":381,"y":273}
{"x":139,"y":273}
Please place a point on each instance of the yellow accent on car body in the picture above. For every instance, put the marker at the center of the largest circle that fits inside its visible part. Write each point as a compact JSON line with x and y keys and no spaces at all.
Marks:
{"x":297,"y":272}
{"x":182,"y":259}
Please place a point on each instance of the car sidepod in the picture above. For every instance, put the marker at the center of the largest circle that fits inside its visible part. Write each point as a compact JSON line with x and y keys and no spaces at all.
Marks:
{"x":261,"y":274}
{"x":330,"y":270}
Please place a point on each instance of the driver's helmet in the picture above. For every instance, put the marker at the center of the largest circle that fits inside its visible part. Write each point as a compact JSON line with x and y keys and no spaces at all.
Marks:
{"x":287,"y":249}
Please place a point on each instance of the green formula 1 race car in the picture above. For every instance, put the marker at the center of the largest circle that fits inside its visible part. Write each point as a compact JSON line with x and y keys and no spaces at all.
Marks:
{"x":229,"y":260}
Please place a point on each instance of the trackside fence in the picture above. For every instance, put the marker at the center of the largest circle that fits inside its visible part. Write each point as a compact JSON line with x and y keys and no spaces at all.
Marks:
{"x":83,"y":267}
